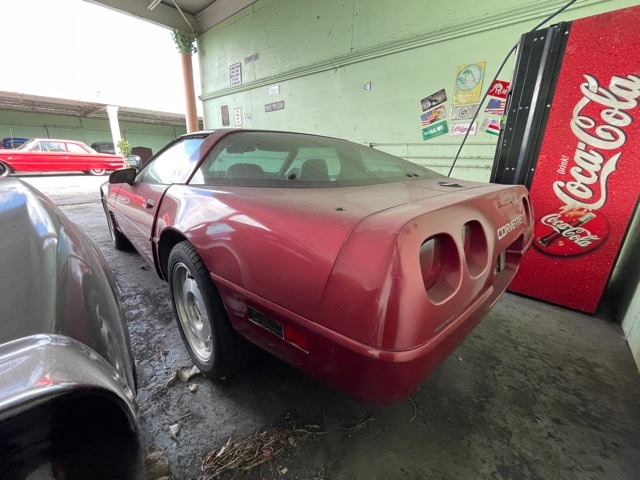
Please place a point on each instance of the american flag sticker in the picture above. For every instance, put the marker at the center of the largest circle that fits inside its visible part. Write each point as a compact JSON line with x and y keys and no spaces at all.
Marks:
{"x":433,"y":115}
{"x":495,"y":106}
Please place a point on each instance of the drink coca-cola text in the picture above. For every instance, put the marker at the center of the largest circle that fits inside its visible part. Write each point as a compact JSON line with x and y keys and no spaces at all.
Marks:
{"x":592,"y":168}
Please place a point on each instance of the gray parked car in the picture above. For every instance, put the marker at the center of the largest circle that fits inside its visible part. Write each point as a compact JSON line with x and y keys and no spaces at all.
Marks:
{"x":67,"y":375}
{"x":133,"y":160}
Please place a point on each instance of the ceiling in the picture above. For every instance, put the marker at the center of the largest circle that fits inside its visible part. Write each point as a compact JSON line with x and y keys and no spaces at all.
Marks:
{"x":189,"y":15}
{"x":20,"y":102}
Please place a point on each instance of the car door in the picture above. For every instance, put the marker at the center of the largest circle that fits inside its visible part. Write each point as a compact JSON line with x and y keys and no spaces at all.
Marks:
{"x":78,"y":158}
{"x":55,"y":157}
{"x":136,"y":204}
{"x":48,"y":156}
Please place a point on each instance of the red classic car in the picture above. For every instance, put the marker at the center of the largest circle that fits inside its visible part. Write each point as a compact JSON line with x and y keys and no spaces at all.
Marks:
{"x":356,"y":266}
{"x":52,"y":155}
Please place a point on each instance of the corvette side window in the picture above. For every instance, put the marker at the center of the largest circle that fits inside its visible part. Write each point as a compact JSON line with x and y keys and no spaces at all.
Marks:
{"x":242,"y":159}
{"x":327,"y":155}
{"x":174,"y":165}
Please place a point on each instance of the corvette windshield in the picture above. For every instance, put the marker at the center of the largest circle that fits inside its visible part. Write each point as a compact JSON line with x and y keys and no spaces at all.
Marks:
{"x":273,"y":159}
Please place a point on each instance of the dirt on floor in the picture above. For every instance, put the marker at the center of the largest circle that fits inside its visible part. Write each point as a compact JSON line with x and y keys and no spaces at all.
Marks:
{"x":536,"y":391}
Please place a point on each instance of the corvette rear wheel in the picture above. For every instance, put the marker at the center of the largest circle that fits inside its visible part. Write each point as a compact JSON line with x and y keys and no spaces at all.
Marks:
{"x":97,"y":171}
{"x":213,"y":345}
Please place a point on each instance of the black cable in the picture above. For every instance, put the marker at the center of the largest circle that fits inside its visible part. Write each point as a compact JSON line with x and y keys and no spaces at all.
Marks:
{"x":484,"y":97}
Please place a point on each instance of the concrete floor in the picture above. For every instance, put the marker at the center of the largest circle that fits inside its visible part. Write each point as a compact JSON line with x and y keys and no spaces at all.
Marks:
{"x":536,"y":391}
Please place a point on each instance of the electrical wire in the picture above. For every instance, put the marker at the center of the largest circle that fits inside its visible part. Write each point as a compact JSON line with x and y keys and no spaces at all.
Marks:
{"x":484,"y":97}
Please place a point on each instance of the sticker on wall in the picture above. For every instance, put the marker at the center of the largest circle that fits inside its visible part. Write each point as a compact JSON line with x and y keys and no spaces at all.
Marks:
{"x":435,"y":130}
{"x":490,"y":126}
{"x":495,"y":106}
{"x":367,"y":86}
{"x":468,"y":84}
{"x":433,"y":100}
{"x":252,"y":58}
{"x":459,"y":129}
{"x":247,"y":117}
{"x":235,"y":74}
{"x":224,"y":111}
{"x":272,"y":107}
{"x":434,"y":115}
{"x":499,"y":88}
{"x":237,"y":114}
{"x":464,"y":112}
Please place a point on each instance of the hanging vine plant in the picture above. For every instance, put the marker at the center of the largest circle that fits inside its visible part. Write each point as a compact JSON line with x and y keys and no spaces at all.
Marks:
{"x":185,"y":42}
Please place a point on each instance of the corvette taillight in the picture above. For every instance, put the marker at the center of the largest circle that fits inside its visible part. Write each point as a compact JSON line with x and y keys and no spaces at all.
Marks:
{"x":440,"y":266}
{"x":527,"y":209}
{"x":430,"y":261}
{"x":476,"y":253}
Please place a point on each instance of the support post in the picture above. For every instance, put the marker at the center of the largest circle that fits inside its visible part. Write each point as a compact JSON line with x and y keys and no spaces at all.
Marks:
{"x":185,"y":44}
{"x":112,"y":111}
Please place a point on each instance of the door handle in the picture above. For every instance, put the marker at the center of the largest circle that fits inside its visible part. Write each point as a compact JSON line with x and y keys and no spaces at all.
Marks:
{"x":150,"y":203}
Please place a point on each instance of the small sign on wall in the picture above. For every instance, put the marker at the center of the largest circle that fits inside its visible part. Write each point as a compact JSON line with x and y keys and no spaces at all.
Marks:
{"x":433,"y":100}
{"x":235,"y":74}
{"x":274,"y":89}
{"x":252,"y":58}
{"x":435,"y":130}
{"x":467,"y":87}
{"x":224,"y":110}
{"x":460,"y":129}
{"x":272,"y":107}
{"x":237,"y":114}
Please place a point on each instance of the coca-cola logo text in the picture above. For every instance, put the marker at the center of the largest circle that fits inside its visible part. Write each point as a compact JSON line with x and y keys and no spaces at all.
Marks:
{"x":579,"y":235}
{"x":570,"y":231}
{"x":592,"y":168}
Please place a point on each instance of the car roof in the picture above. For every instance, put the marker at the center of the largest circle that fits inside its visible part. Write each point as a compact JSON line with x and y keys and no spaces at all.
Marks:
{"x":56,"y":140}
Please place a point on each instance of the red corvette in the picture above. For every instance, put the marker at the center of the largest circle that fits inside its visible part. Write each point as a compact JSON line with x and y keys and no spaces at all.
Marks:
{"x":52,"y":155}
{"x":356,"y":266}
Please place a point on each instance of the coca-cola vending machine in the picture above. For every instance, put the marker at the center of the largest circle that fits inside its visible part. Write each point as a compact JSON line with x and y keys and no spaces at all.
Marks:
{"x":572,"y":135}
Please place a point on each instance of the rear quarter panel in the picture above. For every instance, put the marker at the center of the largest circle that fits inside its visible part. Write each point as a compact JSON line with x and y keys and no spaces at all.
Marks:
{"x":376,"y":283}
{"x":283,"y":256}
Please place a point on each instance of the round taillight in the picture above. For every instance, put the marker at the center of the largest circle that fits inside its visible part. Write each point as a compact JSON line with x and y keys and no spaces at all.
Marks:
{"x":476,"y":252}
{"x":430,"y":262}
{"x":440,"y":267}
{"x":527,"y":209}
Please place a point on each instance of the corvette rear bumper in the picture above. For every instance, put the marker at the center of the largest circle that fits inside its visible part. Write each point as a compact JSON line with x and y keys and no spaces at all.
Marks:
{"x":365,"y":372}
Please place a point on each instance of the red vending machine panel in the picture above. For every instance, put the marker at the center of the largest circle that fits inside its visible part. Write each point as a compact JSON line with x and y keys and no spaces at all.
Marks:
{"x":584,"y":170}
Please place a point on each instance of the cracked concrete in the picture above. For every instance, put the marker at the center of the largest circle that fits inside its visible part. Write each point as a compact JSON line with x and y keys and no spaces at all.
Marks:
{"x":536,"y":391}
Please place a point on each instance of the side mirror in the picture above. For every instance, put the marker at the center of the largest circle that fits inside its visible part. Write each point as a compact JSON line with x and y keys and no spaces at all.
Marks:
{"x":125,"y":175}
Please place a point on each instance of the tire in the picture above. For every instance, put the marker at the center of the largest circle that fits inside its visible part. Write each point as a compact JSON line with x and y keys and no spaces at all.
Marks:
{"x":118,"y":239}
{"x":5,"y":170}
{"x":96,"y":171}
{"x":213,"y":345}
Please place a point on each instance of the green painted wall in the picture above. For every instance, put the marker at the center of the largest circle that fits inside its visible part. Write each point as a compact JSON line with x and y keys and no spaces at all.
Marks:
{"x":87,"y":130}
{"x":321,"y":54}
